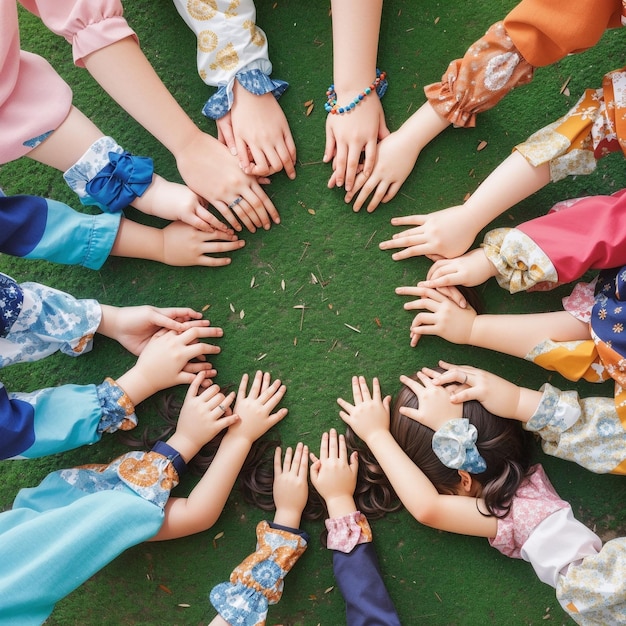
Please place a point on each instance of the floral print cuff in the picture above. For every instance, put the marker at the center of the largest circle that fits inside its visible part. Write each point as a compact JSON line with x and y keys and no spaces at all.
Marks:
{"x":253,"y":80}
{"x":520,"y":262}
{"x":118,"y":412}
{"x":345,"y":533}
{"x":258,"y":581}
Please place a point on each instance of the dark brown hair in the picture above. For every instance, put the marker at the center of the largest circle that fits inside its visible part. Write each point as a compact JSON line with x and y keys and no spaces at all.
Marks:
{"x":501,"y":442}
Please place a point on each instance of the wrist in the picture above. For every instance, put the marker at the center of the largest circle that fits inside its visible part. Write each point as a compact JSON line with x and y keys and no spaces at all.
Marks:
{"x":185,"y":447}
{"x":527,"y":404}
{"x":136,"y":385}
{"x":107,"y":325}
{"x":340,"y":505}
{"x":288,"y":516}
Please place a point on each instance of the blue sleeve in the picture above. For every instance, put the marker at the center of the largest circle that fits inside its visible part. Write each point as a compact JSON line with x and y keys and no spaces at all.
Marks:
{"x":57,"y":536}
{"x":37,"y":228}
{"x":359,"y":579}
{"x":48,"y":421}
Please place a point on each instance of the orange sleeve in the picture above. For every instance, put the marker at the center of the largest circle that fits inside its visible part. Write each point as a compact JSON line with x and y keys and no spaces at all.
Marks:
{"x":545,"y":31}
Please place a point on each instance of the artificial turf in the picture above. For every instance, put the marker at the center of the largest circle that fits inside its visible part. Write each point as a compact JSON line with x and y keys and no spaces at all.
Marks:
{"x":325,"y":258}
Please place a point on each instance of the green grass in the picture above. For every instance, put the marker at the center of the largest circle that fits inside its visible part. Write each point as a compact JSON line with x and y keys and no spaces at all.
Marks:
{"x":434,"y":578}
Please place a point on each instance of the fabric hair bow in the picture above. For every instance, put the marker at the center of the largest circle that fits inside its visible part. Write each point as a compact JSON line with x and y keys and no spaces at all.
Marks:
{"x":118,"y":183}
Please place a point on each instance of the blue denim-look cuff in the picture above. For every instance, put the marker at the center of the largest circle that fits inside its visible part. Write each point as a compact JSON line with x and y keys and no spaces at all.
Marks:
{"x":254,"y":81}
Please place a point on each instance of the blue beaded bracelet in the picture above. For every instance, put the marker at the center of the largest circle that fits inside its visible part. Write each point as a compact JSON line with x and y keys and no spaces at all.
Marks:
{"x":379,"y":85}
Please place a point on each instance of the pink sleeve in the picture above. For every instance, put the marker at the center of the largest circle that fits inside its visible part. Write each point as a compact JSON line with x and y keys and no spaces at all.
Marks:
{"x":582,"y":234}
{"x":88,"y":25}
{"x":34,"y":99}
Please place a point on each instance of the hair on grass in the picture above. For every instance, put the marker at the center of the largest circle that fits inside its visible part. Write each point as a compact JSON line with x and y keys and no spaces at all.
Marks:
{"x":504,"y":445}
{"x":256,"y":478}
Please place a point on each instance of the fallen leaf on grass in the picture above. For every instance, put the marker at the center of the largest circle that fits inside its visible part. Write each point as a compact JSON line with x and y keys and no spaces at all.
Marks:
{"x":232,"y":308}
{"x":564,"y":89}
{"x":329,"y":589}
{"x":165,"y":589}
{"x":356,"y":330}
{"x":309,"y":109}
{"x":205,"y":307}
{"x":481,"y":146}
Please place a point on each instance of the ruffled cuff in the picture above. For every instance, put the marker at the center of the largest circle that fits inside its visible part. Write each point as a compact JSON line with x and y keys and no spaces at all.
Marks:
{"x":109,"y":177}
{"x":258,"y":581}
{"x":344,"y":533}
{"x":557,"y":411}
{"x":149,"y":474}
{"x":253,"y":80}
{"x":520,"y":262}
{"x":118,"y":412}
{"x":490,"y":69}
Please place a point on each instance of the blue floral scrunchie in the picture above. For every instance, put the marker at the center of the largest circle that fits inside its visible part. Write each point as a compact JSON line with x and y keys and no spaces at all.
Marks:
{"x":455,"y":446}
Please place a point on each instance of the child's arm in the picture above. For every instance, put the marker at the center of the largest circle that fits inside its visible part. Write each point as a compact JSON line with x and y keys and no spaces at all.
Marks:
{"x":355,"y":563}
{"x":587,"y":431}
{"x":444,"y":318}
{"x":451,"y":232}
{"x":102,"y":173}
{"x":497,"y":395}
{"x":245,"y":598}
{"x":369,"y":418}
{"x":356,"y":26}
{"x":205,"y":164}
{"x":185,"y":516}
{"x":395,"y":158}
{"x":177,"y":244}
{"x":245,"y":106}
{"x":134,"y":326}
{"x":165,"y":362}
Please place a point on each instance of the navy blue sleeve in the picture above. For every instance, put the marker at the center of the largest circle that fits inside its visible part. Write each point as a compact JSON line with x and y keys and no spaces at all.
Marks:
{"x":361,"y":584}
{"x":23,"y":220}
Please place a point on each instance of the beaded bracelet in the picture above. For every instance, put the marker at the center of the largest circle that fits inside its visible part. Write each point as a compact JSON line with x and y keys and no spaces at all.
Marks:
{"x":379,"y":85}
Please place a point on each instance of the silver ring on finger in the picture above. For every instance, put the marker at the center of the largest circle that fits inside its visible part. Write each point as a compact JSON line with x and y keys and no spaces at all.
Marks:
{"x":465,"y":381}
{"x":221,"y":407}
{"x":235,"y":202}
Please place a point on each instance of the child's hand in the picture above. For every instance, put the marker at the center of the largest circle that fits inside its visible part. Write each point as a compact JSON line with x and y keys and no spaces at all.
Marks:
{"x":369,"y":414}
{"x":184,"y":245}
{"x":165,"y":362}
{"x":395,"y":158}
{"x":134,"y":326}
{"x":173,"y":201}
{"x":334,"y":475}
{"x":202,"y":417}
{"x":291,"y":489}
{"x":471,"y":269}
{"x":443,"y":317}
{"x":255,"y":409}
{"x":348,"y":136}
{"x":441,"y":235}
{"x":223,"y":186}
{"x":435,"y":406}
{"x":256,"y":130}
{"x":497,"y":395}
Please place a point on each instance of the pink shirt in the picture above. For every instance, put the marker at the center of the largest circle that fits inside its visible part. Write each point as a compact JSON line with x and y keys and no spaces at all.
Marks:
{"x":535,"y":500}
{"x":34,"y":99}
